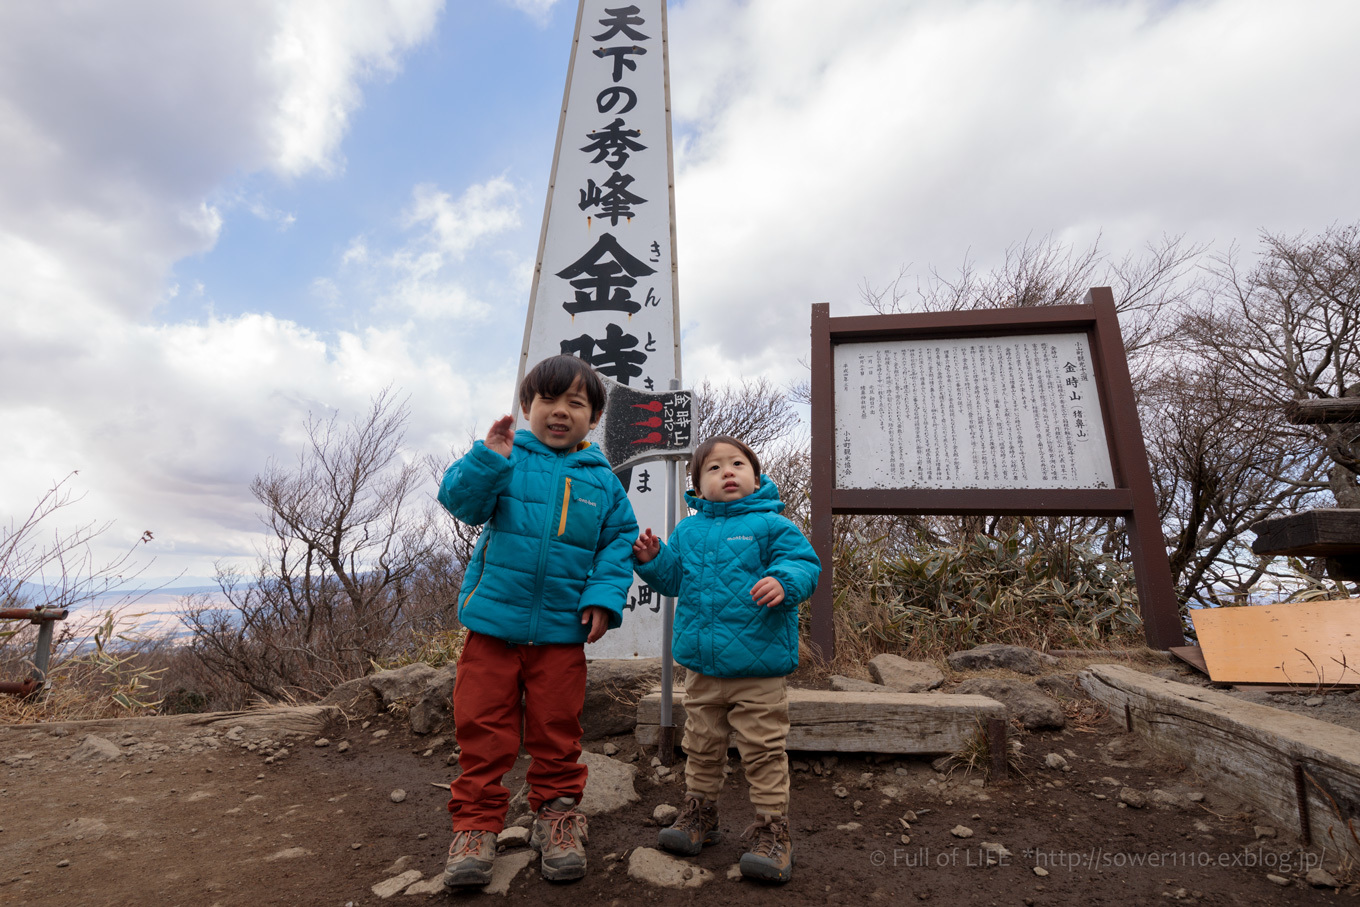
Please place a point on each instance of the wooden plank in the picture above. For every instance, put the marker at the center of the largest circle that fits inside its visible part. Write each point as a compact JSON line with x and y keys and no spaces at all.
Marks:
{"x":1191,"y":655}
{"x":1305,"y":643}
{"x":1310,"y":533}
{"x":1320,"y":412}
{"x":843,"y":722}
{"x":283,"y":719}
{"x":1246,"y":750}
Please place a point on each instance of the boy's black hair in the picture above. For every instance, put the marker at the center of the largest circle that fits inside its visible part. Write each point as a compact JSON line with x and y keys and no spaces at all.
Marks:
{"x":705,"y":450}
{"x":555,"y":375}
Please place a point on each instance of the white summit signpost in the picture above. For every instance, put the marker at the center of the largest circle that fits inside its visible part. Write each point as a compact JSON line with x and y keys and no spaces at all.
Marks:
{"x":604,"y":285}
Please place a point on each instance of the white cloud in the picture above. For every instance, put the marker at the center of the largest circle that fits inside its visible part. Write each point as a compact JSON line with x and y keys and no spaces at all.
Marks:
{"x":538,"y":10}
{"x":119,"y":123}
{"x":425,"y":278}
{"x":318,"y":53}
{"x":822,"y":144}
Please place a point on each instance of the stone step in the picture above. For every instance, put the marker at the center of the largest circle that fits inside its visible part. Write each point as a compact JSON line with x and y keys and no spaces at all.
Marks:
{"x":846,"y":722}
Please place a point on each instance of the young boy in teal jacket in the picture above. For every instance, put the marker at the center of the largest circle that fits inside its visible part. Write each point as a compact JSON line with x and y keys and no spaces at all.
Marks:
{"x":740,"y":570}
{"x":550,"y":572}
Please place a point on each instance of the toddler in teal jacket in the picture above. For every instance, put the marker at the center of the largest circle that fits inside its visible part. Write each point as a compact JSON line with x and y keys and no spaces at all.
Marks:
{"x":739,"y":570}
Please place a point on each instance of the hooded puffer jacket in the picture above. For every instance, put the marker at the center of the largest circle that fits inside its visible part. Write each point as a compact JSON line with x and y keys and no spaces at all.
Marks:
{"x":558,"y":534}
{"x":711,"y":561}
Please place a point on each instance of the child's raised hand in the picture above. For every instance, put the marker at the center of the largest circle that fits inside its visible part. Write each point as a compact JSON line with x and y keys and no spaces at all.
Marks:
{"x":768,"y":592}
{"x":501,"y":436}
{"x":646,"y":547}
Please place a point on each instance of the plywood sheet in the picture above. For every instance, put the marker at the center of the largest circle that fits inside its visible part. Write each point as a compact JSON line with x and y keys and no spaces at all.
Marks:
{"x":1303,"y":643}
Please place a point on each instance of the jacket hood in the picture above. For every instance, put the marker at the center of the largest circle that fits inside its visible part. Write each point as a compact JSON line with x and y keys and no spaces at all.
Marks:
{"x":764,"y":498}
{"x":590,"y":455}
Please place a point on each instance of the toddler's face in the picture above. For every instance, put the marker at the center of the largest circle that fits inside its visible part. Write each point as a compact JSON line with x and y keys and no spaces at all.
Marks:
{"x":562,"y":422}
{"x":726,"y":475}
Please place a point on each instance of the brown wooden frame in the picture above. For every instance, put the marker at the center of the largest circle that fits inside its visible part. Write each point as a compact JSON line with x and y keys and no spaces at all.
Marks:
{"x":1131,"y":498}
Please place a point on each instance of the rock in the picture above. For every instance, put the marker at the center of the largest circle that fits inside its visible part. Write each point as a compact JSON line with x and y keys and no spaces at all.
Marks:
{"x":1024,"y":701}
{"x":402,"y":685}
{"x":397,"y":884}
{"x":996,"y":853}
{"x":609,"y":749}
{"x":434,"y":705}
{"x":665,"y":814}
{"x":1061,"y":686}
{"x":609,"y":785}
{"x":321,"y":742}
{"x":855,"y":685}
{"x":734,"y":872}
{"x":961,"y":831}
{"x":514,"y":836}
{"x":1321,"y":878}
{"x":1264,"y":831}
{"x":96,"y":749}
{"x":1278,"y":880}
{"x":397,"y":796}
{"x":1021,"y":659}
{"x":379,"y":734}
{"x":398,"y":866}
{"x":506,"y":867}
{"x":290,"y":853}
{"x":840,"y":791}
{"x":1131,"y":797}
{"x":1167,"y":800}
{"x":613,"y":688}
{"x":897,"y":673}
{"x":1195,"y":797}
{"x":343,"y":747}
{"x":665,"y":871}
{"x":1314,"y":701}
{"x":356,"y":698}
{"x":1054,"y":760}
{"x":431,"y":886}
{"x":1040,"y":871}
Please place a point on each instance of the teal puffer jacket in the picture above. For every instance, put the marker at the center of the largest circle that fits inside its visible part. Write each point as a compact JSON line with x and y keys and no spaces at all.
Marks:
{"x":558,"y":536}
{"x":711,"y":561}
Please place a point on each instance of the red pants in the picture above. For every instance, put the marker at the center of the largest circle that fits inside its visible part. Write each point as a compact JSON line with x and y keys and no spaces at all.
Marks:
{"x":488,"y":717}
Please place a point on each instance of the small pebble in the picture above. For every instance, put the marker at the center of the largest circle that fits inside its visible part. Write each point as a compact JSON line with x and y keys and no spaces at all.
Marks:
{"x":322,"y":741}
{"x":64,"y":863}
{"x":398,"y":795}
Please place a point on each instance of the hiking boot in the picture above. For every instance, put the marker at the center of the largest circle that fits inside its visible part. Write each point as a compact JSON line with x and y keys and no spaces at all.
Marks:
{"x":470,"y":857}
{"x":694,"y":829}
{"x":770,"y":858}
{"x":559,"y":836}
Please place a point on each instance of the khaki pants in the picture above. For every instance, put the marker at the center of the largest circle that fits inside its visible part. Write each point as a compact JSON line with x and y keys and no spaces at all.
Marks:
{"x":757,"y":709}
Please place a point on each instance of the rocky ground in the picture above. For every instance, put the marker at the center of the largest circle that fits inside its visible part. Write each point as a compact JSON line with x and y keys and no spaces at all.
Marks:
{"x":161,"y":812}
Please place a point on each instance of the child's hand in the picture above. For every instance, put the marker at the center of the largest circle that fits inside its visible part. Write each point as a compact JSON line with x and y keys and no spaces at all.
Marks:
{"x":646,"y":547}
{"x":501,"y":437}
{"x":768,"y":592}
{"x":598,"y":618}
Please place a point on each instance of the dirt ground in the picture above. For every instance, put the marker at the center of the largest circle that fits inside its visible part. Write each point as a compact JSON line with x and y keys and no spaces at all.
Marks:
{"x":187,"y":816}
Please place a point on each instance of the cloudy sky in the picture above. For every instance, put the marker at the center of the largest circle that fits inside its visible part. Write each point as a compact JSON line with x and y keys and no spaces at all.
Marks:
{"x":219,"y":216}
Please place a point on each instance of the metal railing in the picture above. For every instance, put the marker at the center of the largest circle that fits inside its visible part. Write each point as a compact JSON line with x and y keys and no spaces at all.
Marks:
{"x":44,"y":618}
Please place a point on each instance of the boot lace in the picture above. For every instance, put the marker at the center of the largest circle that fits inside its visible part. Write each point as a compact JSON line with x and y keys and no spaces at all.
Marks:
{"x":767,"y":834}
{"x":466,"y":842}
{"x":564,"y":826}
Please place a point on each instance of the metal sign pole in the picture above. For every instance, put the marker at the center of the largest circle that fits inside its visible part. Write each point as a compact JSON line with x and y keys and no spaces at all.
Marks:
{"x":666,"y":731}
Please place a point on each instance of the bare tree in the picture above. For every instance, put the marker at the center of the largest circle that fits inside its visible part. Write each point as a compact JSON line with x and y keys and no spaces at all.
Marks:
{"x":1289,"y":329}
{"x":757,"y":411}
{"x":354,"y":556}
{"x":47,"y":566}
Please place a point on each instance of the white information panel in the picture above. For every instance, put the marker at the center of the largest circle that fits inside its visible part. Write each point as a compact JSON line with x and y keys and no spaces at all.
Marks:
{"x":970,"y":413}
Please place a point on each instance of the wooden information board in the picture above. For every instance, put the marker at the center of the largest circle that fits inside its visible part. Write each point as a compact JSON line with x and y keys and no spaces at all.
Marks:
{"x":1003,"y":411}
